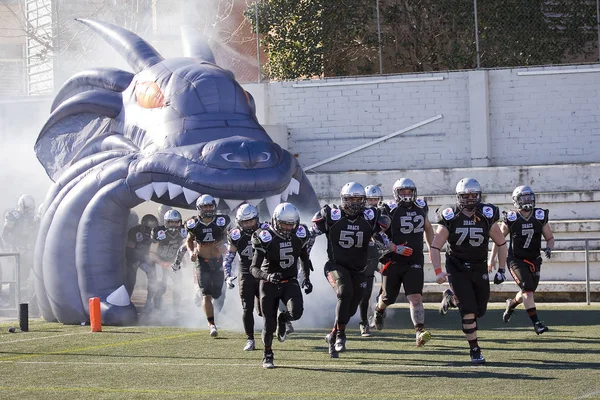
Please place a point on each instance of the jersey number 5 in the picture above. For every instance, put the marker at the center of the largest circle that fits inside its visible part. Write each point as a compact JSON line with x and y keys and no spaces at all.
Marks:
{"x":286,"y":258}
{"x":347,"y":239}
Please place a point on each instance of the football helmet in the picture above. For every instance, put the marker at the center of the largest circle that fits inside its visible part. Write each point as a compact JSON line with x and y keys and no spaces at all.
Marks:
{"x":285,"y":219}
{"x":207,"y":206}
{"x":468,"y":193}
{"x":173,"y":220}
{"x":150,"y":221}
{"x":353,"y":198}
{"x":26,"y":204}
{"x":523,"y":198}
{"x":246,"y":218}
{"x":373,"y":193}
{"x":401,"y":185}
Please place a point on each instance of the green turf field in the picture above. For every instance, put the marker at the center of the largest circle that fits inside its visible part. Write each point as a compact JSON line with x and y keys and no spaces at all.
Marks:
{"x":55,"y":361}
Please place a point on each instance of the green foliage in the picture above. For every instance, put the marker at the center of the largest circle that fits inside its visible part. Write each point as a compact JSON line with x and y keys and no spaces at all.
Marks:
{"x":307,"y":38}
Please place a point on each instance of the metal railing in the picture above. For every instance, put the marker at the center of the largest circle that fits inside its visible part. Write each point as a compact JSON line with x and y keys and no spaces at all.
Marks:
{"x":587,"y":261}
{"x":17,"y":278}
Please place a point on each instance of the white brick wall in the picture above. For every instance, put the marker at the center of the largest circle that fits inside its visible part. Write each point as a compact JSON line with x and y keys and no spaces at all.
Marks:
{"x":533,"y":120}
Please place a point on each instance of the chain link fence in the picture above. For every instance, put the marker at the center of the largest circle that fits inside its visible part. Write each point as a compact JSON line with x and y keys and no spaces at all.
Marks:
{"x":364,"y":37}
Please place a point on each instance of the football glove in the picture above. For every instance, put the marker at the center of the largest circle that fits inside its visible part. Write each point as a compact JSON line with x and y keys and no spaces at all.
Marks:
{"x":274,"y":277}
{"x":175,"y":266}
{"x":307,"y":286}
{"x":230,"y":280}
{"x":403,"y":250}
{"x":548,"y":252}
{"x":499,"y":277}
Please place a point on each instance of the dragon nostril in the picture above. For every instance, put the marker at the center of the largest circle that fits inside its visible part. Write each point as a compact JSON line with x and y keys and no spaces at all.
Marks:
{"x":263,"y":157}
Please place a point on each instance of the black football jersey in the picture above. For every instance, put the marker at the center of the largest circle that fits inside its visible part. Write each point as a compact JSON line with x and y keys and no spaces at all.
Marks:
{"x":525,"y":234}
{"x":281,"y":254}
{"x":243,"y":243}
{"x":169,"y":241}
{"x":140,"y":236}
{"x":347,"y":237}
{"x":407,"y":228}
{"x":468,"y":236}
{"x":213,"y":232}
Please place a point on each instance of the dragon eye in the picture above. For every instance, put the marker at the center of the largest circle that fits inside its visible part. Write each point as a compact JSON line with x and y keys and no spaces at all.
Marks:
{"x":149,"y":95}
{"x":264,"y":157}
{"x":228,"y":157}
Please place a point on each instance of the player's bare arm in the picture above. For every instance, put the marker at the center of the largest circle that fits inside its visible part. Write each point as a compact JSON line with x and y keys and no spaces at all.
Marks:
{"x":494,"y":252}
{"x":435,"y":254}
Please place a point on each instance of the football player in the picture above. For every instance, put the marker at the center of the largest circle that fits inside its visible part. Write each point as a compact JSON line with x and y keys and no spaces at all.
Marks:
{"x":349,"y":230}
{"x":167,"y":240}
{"x":526,"y":225}
{"x":207,"y":234}
{"x":467,"y":226}
{"x":239,"y":242}
{"x":276,"y":251}
{"x":137,"y":254}
{"x":374,"y":200}
{"x":409,"y":223}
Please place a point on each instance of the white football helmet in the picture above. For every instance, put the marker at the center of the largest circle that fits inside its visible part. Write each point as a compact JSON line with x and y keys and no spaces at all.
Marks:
{"x":286,"y":219}
{"x":404,"y":184}
{"x":353,"y":198}
{"x":173,"y":220}
{"x":26,"y":204}
{"x":468,"y":193}
{"x":245,"y":213}
{"x":523,"y":198}
{"x":207,"y":206}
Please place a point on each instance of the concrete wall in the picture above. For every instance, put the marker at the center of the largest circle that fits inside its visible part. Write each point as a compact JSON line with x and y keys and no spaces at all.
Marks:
{"x":523,"y":116}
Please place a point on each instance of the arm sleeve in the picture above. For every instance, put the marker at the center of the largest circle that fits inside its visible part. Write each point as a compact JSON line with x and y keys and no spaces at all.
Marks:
{"x":180,"y":253}
{"x":259,"y":254}
{"x":306,"y":263}
{"x":319,"y":222}
{"x":227,"y":260}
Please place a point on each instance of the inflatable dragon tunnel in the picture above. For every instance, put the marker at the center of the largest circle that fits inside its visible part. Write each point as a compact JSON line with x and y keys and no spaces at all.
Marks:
{"x":168,"y":132}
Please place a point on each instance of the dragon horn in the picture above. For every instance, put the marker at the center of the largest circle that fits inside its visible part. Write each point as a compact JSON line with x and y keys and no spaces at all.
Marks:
{"x":138,"y":53}
{"x":195,"y":46}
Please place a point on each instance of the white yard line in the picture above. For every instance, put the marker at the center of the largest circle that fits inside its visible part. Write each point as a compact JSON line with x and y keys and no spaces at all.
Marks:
{"x":43,"y":337}
{"x":586,"y":396}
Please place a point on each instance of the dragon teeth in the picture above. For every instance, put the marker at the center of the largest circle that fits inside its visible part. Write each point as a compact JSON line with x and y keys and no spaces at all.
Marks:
{"x":174,"y":190}
{"x":119,"y":297}
{"x":232,"y":204}
{"x":254,"y":202}
{"x":273,"y":202}
{"x":190,"y":195}
{"x":145,"y":192}
{"x":160,"y":188}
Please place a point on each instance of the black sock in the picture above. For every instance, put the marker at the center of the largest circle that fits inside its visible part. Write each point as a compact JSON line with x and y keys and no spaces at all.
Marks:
{"x":532,"y":312}
{"x":473,"y":344}
{"x":419,"y":327}
{"x":513,"y":303}
{"x":211,"y":320}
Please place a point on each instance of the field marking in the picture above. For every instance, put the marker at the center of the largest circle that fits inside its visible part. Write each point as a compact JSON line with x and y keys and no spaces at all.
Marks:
{"x":102,"y":346}
{"x":205,"y":393}
{"x":44,"y":337}
{"x":585,"y":396}
{"x":257,"y":364}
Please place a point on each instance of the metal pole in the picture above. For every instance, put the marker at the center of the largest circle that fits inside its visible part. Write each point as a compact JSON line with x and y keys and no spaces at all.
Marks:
{"x":598,"y":26}
{"x":477,"y":34}
{"x":257,"y":41}
{"x":379,"y":37}
{"x":18,"y":277}
{"x":587,"y":274}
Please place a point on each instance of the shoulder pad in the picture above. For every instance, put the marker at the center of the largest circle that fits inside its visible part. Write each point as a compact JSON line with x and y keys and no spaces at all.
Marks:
{"x":540,"y":214}
{"x":448,"y":213}
{"x":12,"y":215}
{"x":191,"y":223}
{"x":235,"y":234}
{"x":511,"y":215}
{"x":487,"y":211}
{"x":369,"y":214}
{"x":139,"y":237}
{"x":265,"y":236}
{"x":221,"y":221}
{"x":301,"y":232}
{"x":183,"y":232}
{"x":161,"y":235}
{"x":336,"y":214}
{"x":391,"y":204}
{"x":420,"y":202}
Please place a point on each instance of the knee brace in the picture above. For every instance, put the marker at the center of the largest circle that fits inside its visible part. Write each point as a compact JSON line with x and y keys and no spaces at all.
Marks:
{"x":469,"y":321}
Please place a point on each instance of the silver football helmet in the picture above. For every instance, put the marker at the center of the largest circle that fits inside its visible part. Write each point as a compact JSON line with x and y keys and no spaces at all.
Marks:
{"x":245,"y":214}
{"x":468,"y":193}
{"x":403,"y":184}
{"x":373,"y":193}
{"x":207,"y":206}
{"x":26,"y":204}
{"x":173,"y":220}
{"x":523,"y":198}
{"x":286,"y":219}
{"x":353,"y":198}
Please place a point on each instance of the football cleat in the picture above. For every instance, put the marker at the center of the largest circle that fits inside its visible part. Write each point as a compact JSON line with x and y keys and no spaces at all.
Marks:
{"x":213,"y":330}
{"x":364,"y":329}
{"x":446,"y":301}
{"x":540,"y":327}
{"x":378,"y":320}
{"x":268,"y":360}
{"x":250,"y":345}
{"x":330,"y":339}
{"x":508,"y":312}
{"x":476,"y":356}
{"x":340,"y":342}
{"x":289,"y":328}
{"x":423,"y":337}
{"x":281,"y":328}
